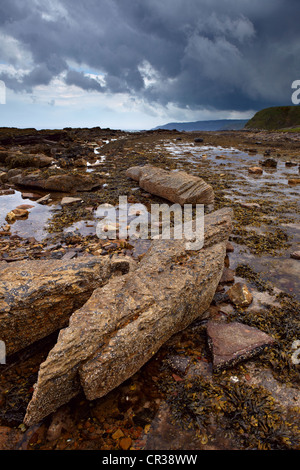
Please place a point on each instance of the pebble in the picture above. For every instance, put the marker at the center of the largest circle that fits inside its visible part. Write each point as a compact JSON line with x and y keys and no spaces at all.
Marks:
{"x":69,"y":200}
{"x":295,"y":255}
{"x":125,"y":443}
{"x":256,"y":170}
{"x":118,"y":434}
{"x":240,"y":295}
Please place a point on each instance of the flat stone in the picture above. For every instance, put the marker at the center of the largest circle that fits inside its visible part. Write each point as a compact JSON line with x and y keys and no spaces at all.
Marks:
{"x":27,"y":195}
{"x":249,"y":205}
{"x":24,"y":206}
{"x":234,"y":342}
{"x":256,"y":170}
{"x":295,"y":255}
{"x":44,"y":199}
{"x":227,"y":276}
{"x":70,"y":200}
{"x":62,"y":181}
{"x":294,"y":181}
{"x":240,"y":295}
{"x":6,"y":192}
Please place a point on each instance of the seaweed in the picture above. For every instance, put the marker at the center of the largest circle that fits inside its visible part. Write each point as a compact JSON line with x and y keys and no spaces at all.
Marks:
{"x":282,"y":323}
{"x":249,"y":415}
{"x":246,"y":272}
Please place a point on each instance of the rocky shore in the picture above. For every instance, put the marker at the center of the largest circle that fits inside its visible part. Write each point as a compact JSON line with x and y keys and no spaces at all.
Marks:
{"x":141,"y":344}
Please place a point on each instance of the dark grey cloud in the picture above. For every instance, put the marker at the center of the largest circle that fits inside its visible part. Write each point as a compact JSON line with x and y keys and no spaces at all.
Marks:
{"x":218,"y":54}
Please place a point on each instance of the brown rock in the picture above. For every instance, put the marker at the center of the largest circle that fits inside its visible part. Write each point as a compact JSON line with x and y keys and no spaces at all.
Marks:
{"x":229,"y":247}
{"x":34,"y":196}
{"x":10,"y":217}
{"x":125,"y":322}
{"x":20,"y":213}
{"x":125,"y":443}
{"x":269,"y":162}
{"x":249,"y":205}
{"x":24,"y":206}
{"x":37,"y":297}
{"x":256,"y":170}
{"x":29,"y":160}
{"x":295,"y":255}
{"x":6,"y":192}
{"x":294,"y":181}
{"x":118,"y":434}
{"x":234,"y":342}
{"x":60,"y":182}
{"x":16,"y":214}
{"x":3,"y":177}
{"x":80,"y":162}
{"x":70,"y":200}
{"x":227,"y":276}
{"x":240,"y":295}
{"x":177,"y":186}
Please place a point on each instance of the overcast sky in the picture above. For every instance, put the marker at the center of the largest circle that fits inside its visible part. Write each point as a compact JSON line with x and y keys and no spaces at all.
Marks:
{"x":136,"y":64}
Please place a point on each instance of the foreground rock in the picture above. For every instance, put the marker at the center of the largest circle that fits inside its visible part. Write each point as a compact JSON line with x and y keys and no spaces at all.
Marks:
{"x":37,"y":297}
{"x":176,"y":186}
{"x":125,"y":322}
{"x":234,"y":342}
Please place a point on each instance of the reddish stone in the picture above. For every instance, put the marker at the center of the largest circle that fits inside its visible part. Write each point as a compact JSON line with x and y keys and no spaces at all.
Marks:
{"x":234,"y":342}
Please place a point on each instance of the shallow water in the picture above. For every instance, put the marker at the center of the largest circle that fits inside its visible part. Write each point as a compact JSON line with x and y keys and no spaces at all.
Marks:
{"x":36,"y":223}
{"x":272,"y":186}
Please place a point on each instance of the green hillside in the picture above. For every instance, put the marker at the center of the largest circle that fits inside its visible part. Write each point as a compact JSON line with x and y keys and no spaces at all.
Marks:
{"x":279,"y":117}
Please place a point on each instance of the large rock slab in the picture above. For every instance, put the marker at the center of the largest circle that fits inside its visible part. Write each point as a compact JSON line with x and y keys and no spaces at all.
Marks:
{"x":63,"y":182}
{"x":124,"y":323}
{"x":29,"y":160}
{"x":37,"y":297}
{"x":175,"y":186}
{"x":234,"y":342}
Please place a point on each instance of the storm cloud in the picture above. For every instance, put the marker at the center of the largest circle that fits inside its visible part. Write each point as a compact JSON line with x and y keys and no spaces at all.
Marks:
{"x":213,"y":54}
